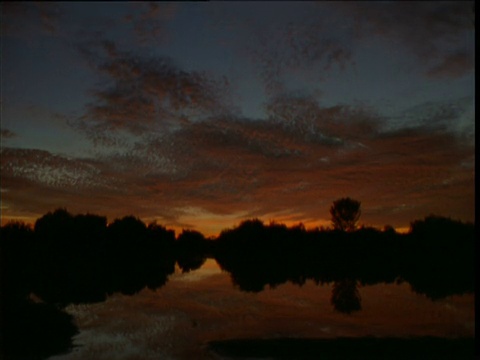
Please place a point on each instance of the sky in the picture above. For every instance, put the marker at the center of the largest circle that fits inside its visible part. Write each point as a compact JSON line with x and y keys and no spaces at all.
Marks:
{"x":200,"y":115}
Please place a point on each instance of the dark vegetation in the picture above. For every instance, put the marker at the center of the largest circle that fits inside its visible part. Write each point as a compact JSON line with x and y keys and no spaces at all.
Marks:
{"x":436,"y":258}
{"x":367,"y":348}
{"x":67,"y":259}
{"x":70,"y":259}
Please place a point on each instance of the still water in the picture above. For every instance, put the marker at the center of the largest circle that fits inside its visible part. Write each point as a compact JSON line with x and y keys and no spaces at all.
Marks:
{"x":177,"y":320}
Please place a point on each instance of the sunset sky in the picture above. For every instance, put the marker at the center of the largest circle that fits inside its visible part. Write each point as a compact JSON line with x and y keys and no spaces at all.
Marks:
{"x":200,"y":115}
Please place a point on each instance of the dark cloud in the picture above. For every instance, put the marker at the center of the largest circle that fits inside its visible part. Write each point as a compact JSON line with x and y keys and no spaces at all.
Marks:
{"x":298,"y":47}
{"x":49,"y":15}
{"x":12,"y":11}
{"x":149,"y":19}
{"x":455,"y":117}
{"x":142,"y":95}
{"x":30,"y":19}
{"x":134,"y":25}
{"x":439,"y":34}
{"x":330,"y":125}
{"x":453,"y":65}
{"x":283,"y":40}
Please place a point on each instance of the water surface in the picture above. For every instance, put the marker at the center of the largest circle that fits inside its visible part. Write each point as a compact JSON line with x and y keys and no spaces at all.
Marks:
{"x":179,"y":319}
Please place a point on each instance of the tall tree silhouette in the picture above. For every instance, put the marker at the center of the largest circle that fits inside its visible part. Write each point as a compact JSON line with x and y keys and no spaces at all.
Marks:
{"x":345,"y":213}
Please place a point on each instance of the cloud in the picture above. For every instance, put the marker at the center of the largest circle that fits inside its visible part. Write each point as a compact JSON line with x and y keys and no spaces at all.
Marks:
{"x":455,"y":116}
{"x":149,"y":19}
{"x":7,"y":134}
{"x":230,"y":166}
{"x":290,"y":165}
{"x":439,"y":34}
{"x":183,"y":152}
{"x":49,"y":15}
{"x":420,"y":171}
{"x":453,"y":65}
{"x":27,"y":20}
{"x":282,"y":41}
{"x":328,"y":124}
{"x":300,"y":47}
{"x":267,"y":167}
{"x":45,"y":169}
{"x":149,"y":94}
{"x":137,"y":25}
{"x":171,"y":140}
{"x":37,"y":181}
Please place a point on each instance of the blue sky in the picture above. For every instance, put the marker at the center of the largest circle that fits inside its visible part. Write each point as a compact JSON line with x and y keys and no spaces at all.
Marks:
{"x":201,"y":114}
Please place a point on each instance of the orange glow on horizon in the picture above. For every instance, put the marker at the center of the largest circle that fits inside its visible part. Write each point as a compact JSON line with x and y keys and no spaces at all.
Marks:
{"x":28,"y":220}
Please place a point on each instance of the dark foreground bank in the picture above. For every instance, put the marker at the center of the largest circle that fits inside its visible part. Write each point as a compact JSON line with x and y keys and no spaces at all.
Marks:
{"x":346,"y":348}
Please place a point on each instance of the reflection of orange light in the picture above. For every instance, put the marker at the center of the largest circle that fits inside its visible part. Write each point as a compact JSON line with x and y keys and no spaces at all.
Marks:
{"x":402,"y":230}
{"x":211,"y":264}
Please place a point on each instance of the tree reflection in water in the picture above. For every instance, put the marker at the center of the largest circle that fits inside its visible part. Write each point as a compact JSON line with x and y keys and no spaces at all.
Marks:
{"x":345,"y":296}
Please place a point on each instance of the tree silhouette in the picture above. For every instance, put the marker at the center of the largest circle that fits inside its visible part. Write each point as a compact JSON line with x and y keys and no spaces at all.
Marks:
{"x":345,"y":213}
